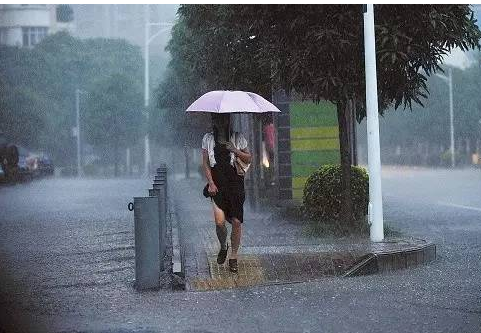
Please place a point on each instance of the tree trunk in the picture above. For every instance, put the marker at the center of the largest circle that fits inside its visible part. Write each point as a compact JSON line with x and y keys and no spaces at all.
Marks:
{"x":353,"y":132}
{"x":343,"y":117}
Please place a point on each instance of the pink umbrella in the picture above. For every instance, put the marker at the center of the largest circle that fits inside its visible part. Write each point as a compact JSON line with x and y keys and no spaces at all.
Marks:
{"x":226,"y":101}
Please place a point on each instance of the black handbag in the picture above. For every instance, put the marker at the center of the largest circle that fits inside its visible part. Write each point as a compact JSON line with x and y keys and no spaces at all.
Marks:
{"x":205,"y":192}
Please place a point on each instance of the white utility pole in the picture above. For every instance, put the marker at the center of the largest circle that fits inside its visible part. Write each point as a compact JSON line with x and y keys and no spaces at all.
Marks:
{"x":451,"y":117}
{"x":147,"y":160}
{"x":127,"y":161}
{"x":77,"y":132}
{"x":374,"y":156}
{"x":449,"y":80}
{"x":147,"y":40}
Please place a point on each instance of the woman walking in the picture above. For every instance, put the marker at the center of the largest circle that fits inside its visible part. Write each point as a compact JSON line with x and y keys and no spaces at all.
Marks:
{"x":220,"y":149}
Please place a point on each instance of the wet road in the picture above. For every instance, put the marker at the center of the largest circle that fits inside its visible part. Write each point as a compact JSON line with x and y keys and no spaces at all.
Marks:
{"x":67,"y":265}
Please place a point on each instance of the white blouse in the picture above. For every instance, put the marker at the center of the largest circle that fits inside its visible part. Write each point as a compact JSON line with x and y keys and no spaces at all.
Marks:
{"x":208,"y":143}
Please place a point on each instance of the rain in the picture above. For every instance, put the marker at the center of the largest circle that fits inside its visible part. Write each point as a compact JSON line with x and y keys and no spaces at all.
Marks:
{"x":240,"y":168}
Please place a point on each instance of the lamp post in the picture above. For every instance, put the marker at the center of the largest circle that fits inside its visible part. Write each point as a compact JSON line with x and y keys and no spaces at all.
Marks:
{"x":477,"y":145}
{"x":449,"y":80}
{"x":147,"y":40}
{"x":77,"y":131}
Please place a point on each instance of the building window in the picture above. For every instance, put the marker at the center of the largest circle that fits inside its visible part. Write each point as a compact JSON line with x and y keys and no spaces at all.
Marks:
{"x":33,"y":35}
{"x":64,"y":13}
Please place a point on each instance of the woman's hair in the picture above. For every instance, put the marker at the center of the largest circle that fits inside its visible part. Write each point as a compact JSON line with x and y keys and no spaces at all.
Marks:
{"x":215,"y":130}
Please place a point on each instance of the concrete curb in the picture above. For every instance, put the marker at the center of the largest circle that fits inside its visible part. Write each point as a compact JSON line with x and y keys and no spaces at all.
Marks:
{"x":388,"y":261}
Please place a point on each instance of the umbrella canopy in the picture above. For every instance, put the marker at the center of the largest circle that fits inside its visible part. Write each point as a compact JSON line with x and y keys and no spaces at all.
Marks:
{"x":226,"y":101}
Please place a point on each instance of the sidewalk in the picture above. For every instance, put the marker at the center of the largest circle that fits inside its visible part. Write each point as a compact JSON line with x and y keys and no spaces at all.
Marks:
{"x":274,"y":249}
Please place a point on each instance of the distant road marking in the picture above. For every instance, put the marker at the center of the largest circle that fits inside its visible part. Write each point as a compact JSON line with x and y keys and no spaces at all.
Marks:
{"x":460,"y":206}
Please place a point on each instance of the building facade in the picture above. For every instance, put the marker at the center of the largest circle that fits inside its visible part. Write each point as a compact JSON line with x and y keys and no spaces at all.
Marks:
{"x":27,"y":25}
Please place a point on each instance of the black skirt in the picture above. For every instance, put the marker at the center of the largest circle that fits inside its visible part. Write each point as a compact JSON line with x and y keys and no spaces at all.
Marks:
{"x":231,"y":195}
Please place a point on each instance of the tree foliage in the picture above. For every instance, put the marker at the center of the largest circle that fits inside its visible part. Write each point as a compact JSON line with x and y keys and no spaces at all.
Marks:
{"x":430,"y":124}
{"x":113,"y":116}
{"x":38,"y":86}
{"x":317,"y":51}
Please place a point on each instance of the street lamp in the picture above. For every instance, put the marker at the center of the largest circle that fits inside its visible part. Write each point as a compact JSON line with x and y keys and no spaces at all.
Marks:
{"x":449,"y":80}
{"x":77,"y":131}
{"x":147,"y":40}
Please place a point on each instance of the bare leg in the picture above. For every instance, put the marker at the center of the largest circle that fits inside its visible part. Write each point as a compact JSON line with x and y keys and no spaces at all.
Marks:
{"x":220,"y":227}
{"x":235,"y":237}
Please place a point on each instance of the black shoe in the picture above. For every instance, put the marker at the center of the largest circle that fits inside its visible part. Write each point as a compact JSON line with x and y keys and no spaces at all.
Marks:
{"x":222,"y":255}
{"x":233,"y":265}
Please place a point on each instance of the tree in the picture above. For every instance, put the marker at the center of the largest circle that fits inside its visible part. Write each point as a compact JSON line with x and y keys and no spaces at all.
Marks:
{"x":318,"y":52}
{"x":430,"y":124}
{"x":38,"y":87}
{"x":183,"y":83}
{"x":64,"y":13}
{"x":22,"y":114}
{"x":113,"y":116}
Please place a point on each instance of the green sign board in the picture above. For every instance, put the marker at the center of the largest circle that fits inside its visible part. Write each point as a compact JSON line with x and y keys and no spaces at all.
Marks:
{"x":314,"y":140}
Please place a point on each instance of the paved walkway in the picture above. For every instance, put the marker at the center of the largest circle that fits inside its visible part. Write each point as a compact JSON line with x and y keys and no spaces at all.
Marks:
{"x":273,"y":249}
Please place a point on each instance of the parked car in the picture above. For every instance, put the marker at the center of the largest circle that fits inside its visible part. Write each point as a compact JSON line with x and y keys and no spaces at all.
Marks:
{"x":45,"y":165}
{"x":8,"y":158}
{"x":2,"y":174}
{"x":25,"y":164}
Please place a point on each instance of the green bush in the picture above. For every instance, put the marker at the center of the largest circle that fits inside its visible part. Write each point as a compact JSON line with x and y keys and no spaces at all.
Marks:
{"x":322,"y":194}
{"x":460,"y":158}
